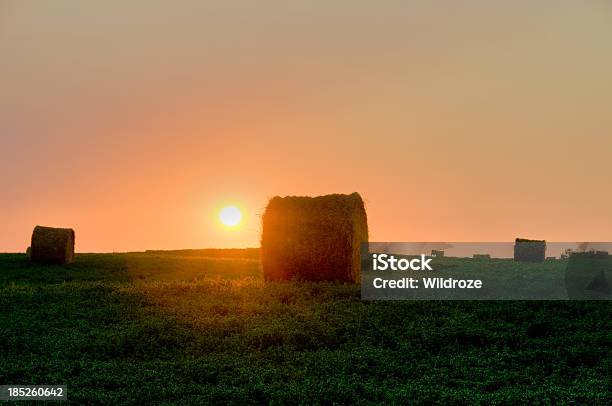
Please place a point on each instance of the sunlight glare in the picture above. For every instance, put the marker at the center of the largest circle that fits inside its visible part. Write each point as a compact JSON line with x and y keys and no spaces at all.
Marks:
{"x":230,"y":216}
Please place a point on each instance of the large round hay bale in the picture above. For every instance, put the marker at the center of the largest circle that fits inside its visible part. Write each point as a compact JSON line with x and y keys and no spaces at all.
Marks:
{"x":52,"y":245}
{"x":314,"y":238}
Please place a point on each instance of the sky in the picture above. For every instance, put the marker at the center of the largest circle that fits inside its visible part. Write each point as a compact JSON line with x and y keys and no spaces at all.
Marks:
{"x":135,"y":122}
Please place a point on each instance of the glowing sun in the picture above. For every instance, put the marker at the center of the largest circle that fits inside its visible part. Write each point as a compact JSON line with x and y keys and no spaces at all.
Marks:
{"x":230,"y":216}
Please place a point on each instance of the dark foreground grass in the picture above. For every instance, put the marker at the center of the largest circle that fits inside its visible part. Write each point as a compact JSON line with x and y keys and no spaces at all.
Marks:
{"x":160,"y":329}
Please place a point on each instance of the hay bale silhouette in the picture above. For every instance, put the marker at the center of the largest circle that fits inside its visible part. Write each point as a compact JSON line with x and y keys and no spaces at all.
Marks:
{"x":529,"y":250}
{"x":52,"y":245}
{"x":314,"y":238}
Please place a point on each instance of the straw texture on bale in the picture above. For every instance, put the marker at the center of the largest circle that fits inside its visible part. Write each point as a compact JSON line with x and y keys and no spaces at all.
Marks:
{"x":52,"y":245}
{"x":314,"y":238}
{"x":529,"y":250}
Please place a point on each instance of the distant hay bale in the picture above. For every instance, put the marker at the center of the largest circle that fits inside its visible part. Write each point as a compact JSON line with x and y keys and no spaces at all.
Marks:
{"x":482,"y":257}
{"x":437,"y":253}
{"x":52,"y":245}
{"x":314,"y":238}
{"x":529,"y":250}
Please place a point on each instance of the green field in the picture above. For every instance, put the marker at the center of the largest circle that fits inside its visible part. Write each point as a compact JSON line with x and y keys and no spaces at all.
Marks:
{"x":200,"y":327}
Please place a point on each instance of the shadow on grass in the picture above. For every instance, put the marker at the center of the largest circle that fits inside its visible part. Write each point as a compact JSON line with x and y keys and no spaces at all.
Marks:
{"x":125,"y":267}
{"x":17,"y":268}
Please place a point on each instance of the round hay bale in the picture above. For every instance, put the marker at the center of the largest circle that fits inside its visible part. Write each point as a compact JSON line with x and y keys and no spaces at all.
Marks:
{"x":529,"y":250}
{"x":314,"y":238}
{"x":52,"y":245}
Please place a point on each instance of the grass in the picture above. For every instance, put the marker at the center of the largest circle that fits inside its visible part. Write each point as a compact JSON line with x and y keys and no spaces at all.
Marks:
{"x":151,"y":328}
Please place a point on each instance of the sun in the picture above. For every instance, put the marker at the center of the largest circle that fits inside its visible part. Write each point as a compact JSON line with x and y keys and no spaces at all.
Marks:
{"x":230,"y":216}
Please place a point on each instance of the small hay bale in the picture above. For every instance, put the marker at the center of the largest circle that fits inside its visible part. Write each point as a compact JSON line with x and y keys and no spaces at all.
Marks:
{"x":437,"y":253}
{"x":314,"y":238}
{"x":529,"y":250}
{"x":52,"y":245}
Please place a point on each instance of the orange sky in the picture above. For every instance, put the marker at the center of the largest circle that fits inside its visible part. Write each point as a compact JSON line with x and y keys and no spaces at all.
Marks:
{"x":464,"y":121}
